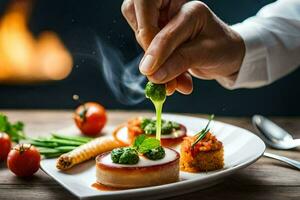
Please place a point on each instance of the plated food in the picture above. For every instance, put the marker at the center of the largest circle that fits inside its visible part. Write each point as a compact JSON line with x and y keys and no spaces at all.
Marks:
{"x":141,"y":171}
{"x":172,"y":133}
{"x":242,"y":147}
{"x":145,"y":162}
{"x":207,"y":155}
{"x":137,"y":155}
{"x":201,"y":152}
{"x":86,"y":152}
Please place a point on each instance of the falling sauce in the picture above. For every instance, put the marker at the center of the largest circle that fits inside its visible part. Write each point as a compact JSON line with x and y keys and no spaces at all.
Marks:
{"x":157,"y":94}
{"x":102,"y":187}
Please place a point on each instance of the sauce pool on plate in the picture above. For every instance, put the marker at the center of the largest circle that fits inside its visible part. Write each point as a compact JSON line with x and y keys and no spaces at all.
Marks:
{"x":99,"y":186}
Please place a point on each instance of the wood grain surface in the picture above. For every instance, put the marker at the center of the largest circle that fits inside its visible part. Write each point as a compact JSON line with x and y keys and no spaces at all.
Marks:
{"x":265,"y":179}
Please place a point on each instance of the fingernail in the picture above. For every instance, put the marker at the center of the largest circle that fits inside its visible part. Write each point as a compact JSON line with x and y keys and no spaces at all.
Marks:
{"x":147,"y":64}
{"x":160,"y":75}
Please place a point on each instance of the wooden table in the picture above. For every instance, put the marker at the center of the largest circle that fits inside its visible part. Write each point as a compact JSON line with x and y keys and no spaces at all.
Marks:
{"x":265,"y":179}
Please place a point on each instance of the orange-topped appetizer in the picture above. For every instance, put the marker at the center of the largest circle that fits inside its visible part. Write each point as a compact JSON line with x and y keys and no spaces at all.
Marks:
{"x":172,"y":133}
{"x":202,"y":152}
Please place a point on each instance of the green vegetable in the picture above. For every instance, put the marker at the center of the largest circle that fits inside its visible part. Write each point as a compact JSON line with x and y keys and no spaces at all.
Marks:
{"x":52,"y":146}
{"x":14,"y":130}
{"x":149,"y":147}
{"x":157,"y":94}
{"x":155,"y":154}
{"x":147,"y":144}
{"x":143,"y":144}
{"x":125,"y":155}
{"x":41,"y":144}
{"x":72,"y":138}
{"x":175,"y":125}
{"x":203,"y":132}
{"x":61,"y":149}
{"x":145,"y":122}
{"x":138,"y":141}
{"x":51,"y":155}
{"x":150,"y":128}
{"x":65,"y":149}
{"x":167,"y":127}
{"x":44,"y":150}
{"x":66,"y":142}
{"x":116,"y":154}
{"x":130,"y":156}
{"x":54,"y":152}
{"x":57,"y":144}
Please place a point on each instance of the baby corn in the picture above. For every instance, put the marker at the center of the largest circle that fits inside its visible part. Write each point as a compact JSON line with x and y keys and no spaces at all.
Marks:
{"x":86,"y":152}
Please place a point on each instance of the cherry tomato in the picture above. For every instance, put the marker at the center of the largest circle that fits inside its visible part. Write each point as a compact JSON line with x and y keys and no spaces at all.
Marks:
{"x":90,"y":118}
{"x":5,"y":145}
{"x":24,"y":160}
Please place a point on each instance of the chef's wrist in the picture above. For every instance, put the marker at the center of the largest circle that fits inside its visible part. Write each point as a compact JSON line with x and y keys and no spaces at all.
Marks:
{"x":252,"y":72}
{"x":234,"y":65}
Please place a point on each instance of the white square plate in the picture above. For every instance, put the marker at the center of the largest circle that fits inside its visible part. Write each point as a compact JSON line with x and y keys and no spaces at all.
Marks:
{"x":241,"y":148}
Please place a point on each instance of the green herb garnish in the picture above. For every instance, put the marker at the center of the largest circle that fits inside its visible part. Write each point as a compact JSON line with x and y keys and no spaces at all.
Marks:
{"x":155,"y":154}
{"x":14,"y":130}
{"x":157,"y":94}
{"x":149,"y":147}
{"x":125,"y":155}
{"x":167,"y":127}
{"x":138,"y":141}
{"x":143,"y":144}
{"x":203,"y":132}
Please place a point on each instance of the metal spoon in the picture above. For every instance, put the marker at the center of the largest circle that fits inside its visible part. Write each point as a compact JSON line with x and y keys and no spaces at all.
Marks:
{"x":289,"y":161}
{"x":277,"y":138}
{"x":273,"y":135}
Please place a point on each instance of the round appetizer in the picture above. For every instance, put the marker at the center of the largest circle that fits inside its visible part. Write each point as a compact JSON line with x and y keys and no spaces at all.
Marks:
{"x":202,"y":152}
{"x":146,"y":163}
{"x":172,"y":133}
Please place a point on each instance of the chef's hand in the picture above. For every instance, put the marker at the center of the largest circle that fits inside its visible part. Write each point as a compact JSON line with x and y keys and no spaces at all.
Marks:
{"x":194,"y":41}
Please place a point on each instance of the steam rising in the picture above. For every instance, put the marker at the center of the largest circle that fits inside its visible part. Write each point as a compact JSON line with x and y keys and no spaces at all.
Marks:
{"x":124,"y":79}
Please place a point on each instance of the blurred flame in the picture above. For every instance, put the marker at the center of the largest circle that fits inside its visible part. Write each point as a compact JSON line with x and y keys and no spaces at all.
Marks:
{"x":24,"y":58}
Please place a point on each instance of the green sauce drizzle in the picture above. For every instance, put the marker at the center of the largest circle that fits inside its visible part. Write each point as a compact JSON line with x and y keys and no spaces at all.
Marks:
{"x":157,"y":94}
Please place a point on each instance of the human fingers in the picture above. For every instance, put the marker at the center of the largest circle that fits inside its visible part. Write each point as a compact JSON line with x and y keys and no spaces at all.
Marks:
{"x":174,"y":66}
{"x":184,"y":83}
{"x":128,"y":12}
{"x":184,"y":26}
{"x":171,"y":87}
{"x":147,"y":16}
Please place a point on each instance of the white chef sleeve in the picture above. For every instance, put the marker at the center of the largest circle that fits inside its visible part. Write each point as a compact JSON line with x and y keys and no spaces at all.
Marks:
{"x":272,"y":40}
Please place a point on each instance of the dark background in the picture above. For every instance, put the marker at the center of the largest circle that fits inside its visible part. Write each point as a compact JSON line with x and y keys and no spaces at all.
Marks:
{"x":78,"y":21}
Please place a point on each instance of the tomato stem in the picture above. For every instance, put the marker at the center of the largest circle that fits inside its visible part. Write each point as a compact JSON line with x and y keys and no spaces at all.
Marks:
{"x":21,"y":148}
{"x":82,"y":114}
